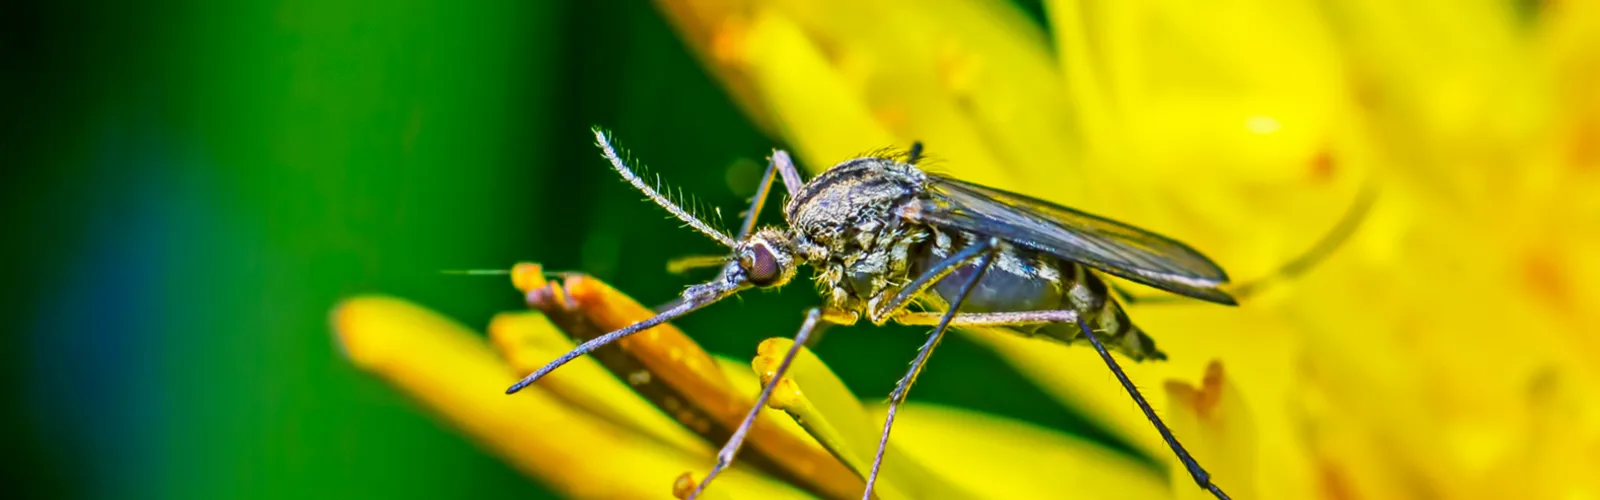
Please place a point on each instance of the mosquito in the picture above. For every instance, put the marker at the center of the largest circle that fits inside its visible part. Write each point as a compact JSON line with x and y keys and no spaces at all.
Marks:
{"x":889,"y":241}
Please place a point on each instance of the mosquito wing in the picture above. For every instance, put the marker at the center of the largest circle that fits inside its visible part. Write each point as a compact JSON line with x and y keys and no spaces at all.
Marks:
{"x":1107,"y":245}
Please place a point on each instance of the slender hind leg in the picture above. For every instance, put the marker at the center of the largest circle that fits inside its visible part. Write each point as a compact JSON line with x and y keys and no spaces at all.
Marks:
{"x":1020,"y":318}
{"x":1201,"y":477}
{"x":904,"y":386}
{"x":1199,"y":473}
{"x":814,"y":320}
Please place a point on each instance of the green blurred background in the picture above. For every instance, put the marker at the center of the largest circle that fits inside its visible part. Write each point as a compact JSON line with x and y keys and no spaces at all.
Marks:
{"x":194,"y":185}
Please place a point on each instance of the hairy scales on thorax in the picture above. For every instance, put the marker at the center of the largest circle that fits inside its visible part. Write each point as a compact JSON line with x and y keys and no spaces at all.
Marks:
{"x":848,"y":224}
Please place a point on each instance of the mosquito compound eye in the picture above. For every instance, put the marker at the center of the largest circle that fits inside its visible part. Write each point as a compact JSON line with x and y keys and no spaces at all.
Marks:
{"x":760,"y":265}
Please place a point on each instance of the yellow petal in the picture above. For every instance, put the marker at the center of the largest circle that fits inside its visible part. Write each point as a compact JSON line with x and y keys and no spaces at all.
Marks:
{"x":974,"y":81}
{"x":1002,"y":458}
{"x":821,"y":403}
{"x":796,"y":413}
{"x":811,"y":104}
{"x":1192,"y":336}
{"x":452,"y":372}
{"x":715,"y":30}
{"x":1078,"y":377}
{"x":826,"y":409}
{"x":527,"y":341}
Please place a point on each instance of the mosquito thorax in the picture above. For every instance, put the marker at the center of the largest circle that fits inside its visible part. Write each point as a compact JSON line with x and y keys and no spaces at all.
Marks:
{"x":847,"y":224}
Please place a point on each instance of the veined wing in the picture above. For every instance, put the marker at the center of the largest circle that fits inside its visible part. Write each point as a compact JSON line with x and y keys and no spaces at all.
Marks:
{"x":1104,"y":244}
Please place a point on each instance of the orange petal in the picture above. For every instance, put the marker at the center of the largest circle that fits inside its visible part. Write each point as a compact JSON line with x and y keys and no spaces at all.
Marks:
{"x":671,"y":370}
{"x":527,"y":341}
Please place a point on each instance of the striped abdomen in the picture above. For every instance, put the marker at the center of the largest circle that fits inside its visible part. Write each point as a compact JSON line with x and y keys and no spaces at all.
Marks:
{"x":1024,"y":280}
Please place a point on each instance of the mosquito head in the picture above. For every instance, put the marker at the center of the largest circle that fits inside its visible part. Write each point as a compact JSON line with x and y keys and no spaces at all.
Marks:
{"x":763,"y":259}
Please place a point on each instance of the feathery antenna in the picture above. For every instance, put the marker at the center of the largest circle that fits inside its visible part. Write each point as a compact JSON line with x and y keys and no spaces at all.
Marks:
{"x":603,"y":140}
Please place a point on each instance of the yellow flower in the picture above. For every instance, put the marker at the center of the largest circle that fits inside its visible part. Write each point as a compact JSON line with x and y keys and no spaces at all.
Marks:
{"x":1448,"y":349}
{"x":561,"y":434}
{"x":652,"y":429}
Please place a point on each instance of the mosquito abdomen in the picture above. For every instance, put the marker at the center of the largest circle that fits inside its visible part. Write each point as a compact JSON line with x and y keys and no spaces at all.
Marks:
{"x":1019,"y":280}
{"x":1087,"y":294}
{"x":1024,"y":280}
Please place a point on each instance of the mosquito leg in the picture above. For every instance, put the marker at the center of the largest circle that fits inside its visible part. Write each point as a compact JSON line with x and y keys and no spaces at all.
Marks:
{"x":833,"y":317}
{"x":1199,"y":474}
{"x":760,"y":198}
{"x":928,"y":278}
{"x":1020,"y":318}
{"x":814,"y":319}
{"x":785,"y":167}
{"x":944,"y":319}
{"x":903,"y":388}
